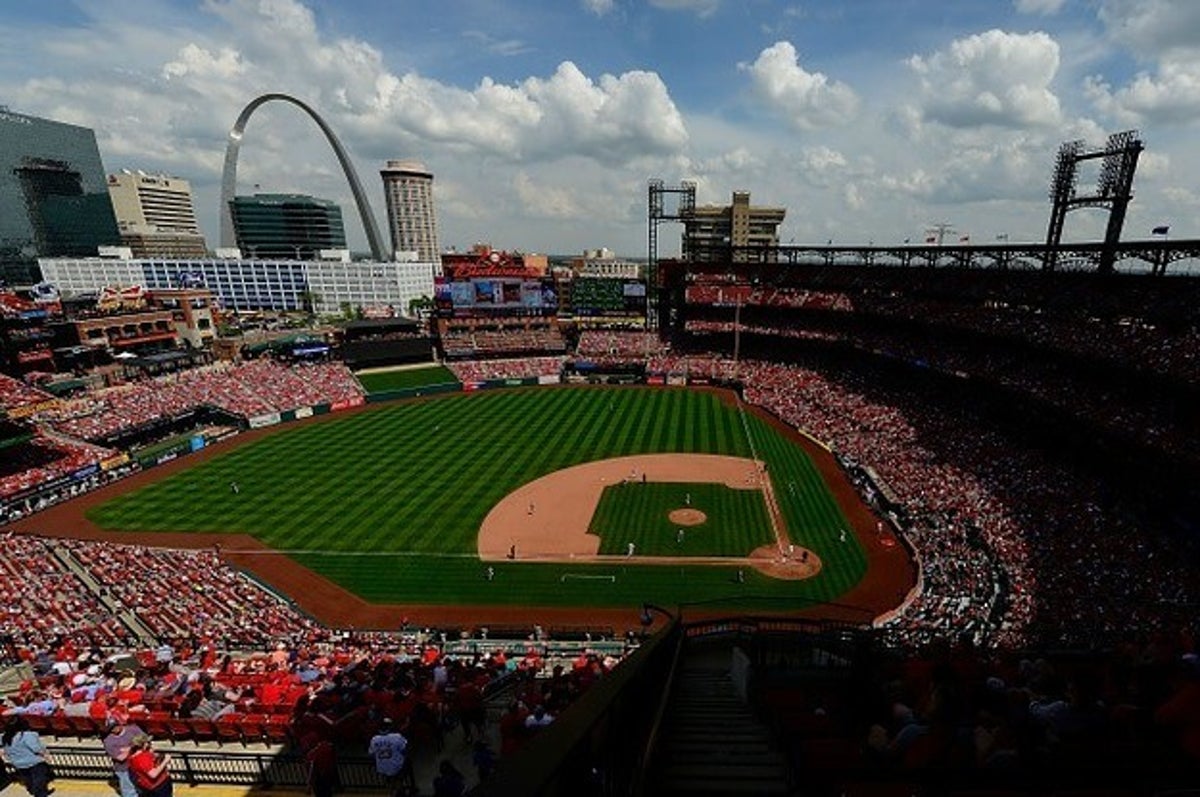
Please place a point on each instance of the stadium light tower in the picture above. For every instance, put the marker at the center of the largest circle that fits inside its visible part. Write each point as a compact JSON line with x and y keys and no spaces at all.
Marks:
{"x":1114,"y":190}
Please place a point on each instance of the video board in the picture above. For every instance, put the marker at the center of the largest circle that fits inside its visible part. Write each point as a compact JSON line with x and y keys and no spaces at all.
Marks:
{"x":486,"y":296}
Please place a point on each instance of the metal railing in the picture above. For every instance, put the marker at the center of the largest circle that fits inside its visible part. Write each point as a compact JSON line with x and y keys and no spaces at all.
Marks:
{"x":200,"y":767}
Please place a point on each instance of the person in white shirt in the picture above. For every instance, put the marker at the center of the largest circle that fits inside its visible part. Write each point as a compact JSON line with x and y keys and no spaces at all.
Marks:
{"x":389,"y":748}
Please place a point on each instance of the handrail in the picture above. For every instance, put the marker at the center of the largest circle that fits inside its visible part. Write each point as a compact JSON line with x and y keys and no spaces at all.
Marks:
{"x":651,"y":747}
{"x":565,"y":755}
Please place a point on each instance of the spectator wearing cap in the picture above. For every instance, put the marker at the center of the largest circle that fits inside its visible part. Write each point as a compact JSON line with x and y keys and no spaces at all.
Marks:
{"x":118,"y":743}
{"x":149,"y":770}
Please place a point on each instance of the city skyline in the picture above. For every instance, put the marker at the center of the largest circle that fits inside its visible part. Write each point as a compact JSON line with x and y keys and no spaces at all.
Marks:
{"x":543,"y":122}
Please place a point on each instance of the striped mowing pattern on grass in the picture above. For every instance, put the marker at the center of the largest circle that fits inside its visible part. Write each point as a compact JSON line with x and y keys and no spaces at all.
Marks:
{"x":405,"y":378}
{"x":418,"y":478}
{"x":736,"y":523}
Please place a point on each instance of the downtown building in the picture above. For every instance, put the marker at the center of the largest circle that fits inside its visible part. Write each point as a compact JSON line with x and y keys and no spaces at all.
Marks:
{"x":287,"y":226}
{"x":54,"y":199}
{"x":408,"y":191}
{"x":156,"y":215}
{"x":712,"y":229}
{"x":325,"y":287}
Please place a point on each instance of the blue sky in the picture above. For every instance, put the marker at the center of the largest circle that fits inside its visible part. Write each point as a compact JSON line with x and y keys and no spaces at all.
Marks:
{"x":542,"y":120}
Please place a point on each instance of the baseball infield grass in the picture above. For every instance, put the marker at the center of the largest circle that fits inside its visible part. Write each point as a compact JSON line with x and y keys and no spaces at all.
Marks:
{"x":388,"y":502}
{"x":736,"y":521}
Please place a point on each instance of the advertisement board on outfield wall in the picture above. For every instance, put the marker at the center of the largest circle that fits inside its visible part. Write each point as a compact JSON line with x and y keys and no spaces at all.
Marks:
{"x":114,"y":462}
{"x":259,"y":421}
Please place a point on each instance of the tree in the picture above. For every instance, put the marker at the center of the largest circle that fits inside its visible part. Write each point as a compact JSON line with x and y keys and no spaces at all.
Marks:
{"x":419,"y":305}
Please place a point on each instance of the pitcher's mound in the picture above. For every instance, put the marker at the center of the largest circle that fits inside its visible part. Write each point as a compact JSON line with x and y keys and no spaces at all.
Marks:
{"x":801,"y":564}
{"x":687,"y":517}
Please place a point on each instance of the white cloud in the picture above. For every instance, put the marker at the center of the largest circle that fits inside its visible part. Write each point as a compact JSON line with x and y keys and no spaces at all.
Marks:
{"x":599,"y":7}
{"x":172,"y":108}
{"x":807,"y":100}
{"x":1172,"y":95}
{"x":1041,"y":7}
{"x":991,"y":78}
{"x":503,"y":47}
{"x":1154,"y":29}
{"x":543,"y":200}
{"x":1166,"y":33}
{"x":702,"y":8}
{"x":194,"y":60}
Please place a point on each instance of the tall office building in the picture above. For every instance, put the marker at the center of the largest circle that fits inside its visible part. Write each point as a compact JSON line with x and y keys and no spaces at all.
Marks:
{"x":156,"y":215}
{"x":408,"y":188}
{"x":53,"y":199}
{"x":711,"y":229}
{"x":286,"y":226}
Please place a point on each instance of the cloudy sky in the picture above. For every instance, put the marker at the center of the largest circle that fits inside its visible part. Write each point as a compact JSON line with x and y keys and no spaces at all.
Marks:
{"x":542,"y":120}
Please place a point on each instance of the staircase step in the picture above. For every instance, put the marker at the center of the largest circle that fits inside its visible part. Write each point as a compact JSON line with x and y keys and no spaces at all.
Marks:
{"x":711,"y":742}
{"x":692,"y":758}
{"x":687,"y":786}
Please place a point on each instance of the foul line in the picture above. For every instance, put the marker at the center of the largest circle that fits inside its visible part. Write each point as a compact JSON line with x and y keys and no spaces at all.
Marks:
{"x":773,"y":512}
{"x":312,"y":551}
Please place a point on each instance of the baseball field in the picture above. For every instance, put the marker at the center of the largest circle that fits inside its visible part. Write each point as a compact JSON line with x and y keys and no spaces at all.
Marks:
{"x":513,"y":498}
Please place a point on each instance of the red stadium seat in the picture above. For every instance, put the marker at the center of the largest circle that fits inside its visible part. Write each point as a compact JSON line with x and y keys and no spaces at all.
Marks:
{"x":38,"y":722}
{"x":85,"y":727}
{"x":277,"y":729}
{"x":203,"y":730}
{"x":60,"y":726}
{"x":179,"y":729}
{"x":253,"y":728}
{"x":157,"y":725}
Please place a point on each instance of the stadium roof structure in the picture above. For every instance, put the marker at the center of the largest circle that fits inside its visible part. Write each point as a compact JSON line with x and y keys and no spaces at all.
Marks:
{"x":369,"y":325}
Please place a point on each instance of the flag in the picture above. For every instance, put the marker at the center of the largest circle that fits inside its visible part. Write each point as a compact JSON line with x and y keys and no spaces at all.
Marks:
{"x":1161,"y":230}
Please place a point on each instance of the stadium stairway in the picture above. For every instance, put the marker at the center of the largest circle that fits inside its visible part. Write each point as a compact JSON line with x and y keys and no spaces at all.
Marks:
{"x":711,"y":742}
{"x":126,"y":616}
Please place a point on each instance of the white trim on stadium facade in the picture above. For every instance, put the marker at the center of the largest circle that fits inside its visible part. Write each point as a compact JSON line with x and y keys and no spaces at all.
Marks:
{"x":241,"y":284}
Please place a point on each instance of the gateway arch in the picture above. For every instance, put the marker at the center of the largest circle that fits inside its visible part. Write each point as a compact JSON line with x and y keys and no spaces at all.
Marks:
{"x":229,"y":174}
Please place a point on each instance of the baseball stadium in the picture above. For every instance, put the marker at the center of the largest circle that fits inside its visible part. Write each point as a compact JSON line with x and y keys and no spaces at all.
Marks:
{"x":916,"y":519}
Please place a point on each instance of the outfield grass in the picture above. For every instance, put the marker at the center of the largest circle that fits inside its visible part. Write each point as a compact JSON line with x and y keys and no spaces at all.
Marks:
{"x":388,"y":502}
{"x":737,"y":520}
{"x":403,"y":379}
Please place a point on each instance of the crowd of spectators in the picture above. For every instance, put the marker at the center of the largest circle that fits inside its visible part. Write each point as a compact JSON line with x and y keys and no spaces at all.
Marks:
{"x":43,"y":460}
{"x":1130,"y":342}
{"x":179,"y":595}
{"x":524,"y":368}
{"x":994,"y":717}
{"x":42,"y":602}
{"x":607,"y":346}
{"x":706,"y":326}
{"x":725,"y":293}
{"x":1124,"y":408}
{"x":247,"y":389}
{"x":1141,"y":323}
{"x":485,"y":342}
{"x":15,"y":394}
{"x":1014,"y":547}
{"x":47,"y":494}
{"x":186,"y":647}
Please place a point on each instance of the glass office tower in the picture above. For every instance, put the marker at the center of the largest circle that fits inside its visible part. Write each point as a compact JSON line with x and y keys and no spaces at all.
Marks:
{"x":53,"y":195}
{"x":286,"y":226}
